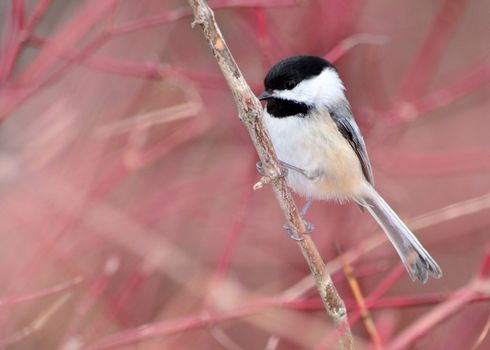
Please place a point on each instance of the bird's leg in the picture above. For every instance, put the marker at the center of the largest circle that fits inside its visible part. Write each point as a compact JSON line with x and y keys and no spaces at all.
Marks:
{"x":308,"y":226}
{"x":305,"y":208}
{"x":313,"y":176}
{"x":292,"y":167}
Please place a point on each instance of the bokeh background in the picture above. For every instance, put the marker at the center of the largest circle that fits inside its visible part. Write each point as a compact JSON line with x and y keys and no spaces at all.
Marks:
{"x":127,"y":215}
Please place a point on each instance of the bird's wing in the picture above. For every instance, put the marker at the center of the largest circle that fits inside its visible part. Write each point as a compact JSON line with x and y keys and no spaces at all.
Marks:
{"x":348,"y":128}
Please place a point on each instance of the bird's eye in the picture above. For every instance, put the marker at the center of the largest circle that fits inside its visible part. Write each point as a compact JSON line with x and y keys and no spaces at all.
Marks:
{"x":290,"y":84}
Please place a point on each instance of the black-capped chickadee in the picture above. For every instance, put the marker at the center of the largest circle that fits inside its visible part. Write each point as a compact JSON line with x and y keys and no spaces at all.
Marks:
{"x":316,"y":138}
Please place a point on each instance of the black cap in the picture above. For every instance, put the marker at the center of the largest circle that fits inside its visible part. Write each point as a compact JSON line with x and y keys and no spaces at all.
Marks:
{"x":288,"y":73}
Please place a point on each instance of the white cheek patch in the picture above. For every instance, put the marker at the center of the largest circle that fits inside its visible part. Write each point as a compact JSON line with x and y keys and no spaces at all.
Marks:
{"x":325,"y":89}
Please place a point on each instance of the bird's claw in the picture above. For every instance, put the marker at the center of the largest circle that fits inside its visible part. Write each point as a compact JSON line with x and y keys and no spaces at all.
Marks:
{"x":309,"y":227}
{"x":260,"y":168}
{"x":261,"y":171}
{"x":294,"y":235}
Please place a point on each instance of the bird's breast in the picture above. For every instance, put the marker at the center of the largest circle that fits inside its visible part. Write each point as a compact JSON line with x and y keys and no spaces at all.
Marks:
{"x":314,"y":144}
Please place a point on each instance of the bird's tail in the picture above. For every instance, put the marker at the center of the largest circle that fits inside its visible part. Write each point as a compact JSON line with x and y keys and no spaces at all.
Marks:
{"x":416,"y":259}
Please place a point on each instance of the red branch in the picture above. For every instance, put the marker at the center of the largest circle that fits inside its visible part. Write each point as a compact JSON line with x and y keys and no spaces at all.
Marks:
{"x":65,"y":40}
{"x":349,"y":43}
{"x":431,"y":50}
{"x":378,"y":292}
{"x":463,"y":86}
{"x":433,"y":163}
{"x":131,"y":336}
{"x":43,"y":293}
{"x":436,"y":316}
{"x":154,"y":70}
{"x":164,"y":328}
{"x":62,"y":43}
{"x":11,"y":38}
{"x":401,"y":302}
{"x":180,"y":13}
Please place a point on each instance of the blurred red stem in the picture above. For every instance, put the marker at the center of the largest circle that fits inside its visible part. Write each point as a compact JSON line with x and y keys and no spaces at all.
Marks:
{"x":15,"y":99}
{"x":352,"y":41}
{"x":380,"y":290}
{"x":432,"y":163}
{"x":83,"y":23}
{"x":463,"y":86}
{"x":130,"y":336}
{"x":180,"y":13}
{"x":133,"y":282}
{"x":134,"y":335}
{"x":422,"y":326}
{"x":236,"y":228}
{"x":385,"y":303}
{"x":36,"y":15}
{"x":12,"y":38}
{"x":430,"y":52}
{"x":263,"y":35}
{"x":92,"y":294}
{"x":64,"y":40}
{"x":155,"y":70}
{"x":43,"y":293}
{"x":455,"y":302}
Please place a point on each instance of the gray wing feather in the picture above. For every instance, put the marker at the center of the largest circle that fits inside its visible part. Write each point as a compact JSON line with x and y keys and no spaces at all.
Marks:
{"x":347,"y":126}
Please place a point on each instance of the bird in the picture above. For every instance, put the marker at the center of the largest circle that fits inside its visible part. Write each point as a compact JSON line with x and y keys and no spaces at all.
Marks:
{"x":319,"y":144}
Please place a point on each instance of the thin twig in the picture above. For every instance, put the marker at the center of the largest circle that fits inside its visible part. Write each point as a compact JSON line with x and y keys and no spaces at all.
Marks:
{"x":147,"y":70}
{"x":456,"y":301}
{"x":250,"y":112}
{"x":132,"y":335}
{"x":471,"y":81}
{"x":348,"y":43}
{"x":373,"y":296}
{"x":37,"y":324}
{"x":183,"y":12}
{"x":429,"y":219}
{"x":399,"y":302}
{"x":197,"y":320}
{"x":43,"y":293}
{"x":482,"y":335}
{"x":361,"y":302}
{"x":432,"y":49}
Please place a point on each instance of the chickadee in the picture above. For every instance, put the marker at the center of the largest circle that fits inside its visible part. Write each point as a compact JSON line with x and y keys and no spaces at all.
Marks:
{"x":316,"y":138}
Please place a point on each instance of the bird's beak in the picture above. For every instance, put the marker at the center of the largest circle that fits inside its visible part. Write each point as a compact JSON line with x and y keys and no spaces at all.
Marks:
{"x":266,"y":95}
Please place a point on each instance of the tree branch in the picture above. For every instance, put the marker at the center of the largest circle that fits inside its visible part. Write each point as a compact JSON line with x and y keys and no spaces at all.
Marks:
{"x":250,"y":113}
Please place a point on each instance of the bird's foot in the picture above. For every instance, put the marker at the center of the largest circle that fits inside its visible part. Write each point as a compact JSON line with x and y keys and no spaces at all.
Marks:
{"x":294,"y":235}
{"x":266,"y":177}
{"x":262,"y":172}
{"x":260,"y":168}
